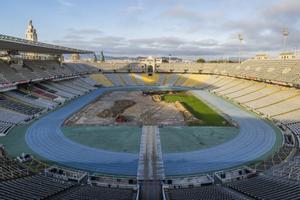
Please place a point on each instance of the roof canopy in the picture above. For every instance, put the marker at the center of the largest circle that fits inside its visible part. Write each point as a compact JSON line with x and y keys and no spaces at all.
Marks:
{"x":8,"y":43}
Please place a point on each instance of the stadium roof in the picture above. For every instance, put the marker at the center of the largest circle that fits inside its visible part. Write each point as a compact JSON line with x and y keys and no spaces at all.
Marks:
{"x":17,"y":44}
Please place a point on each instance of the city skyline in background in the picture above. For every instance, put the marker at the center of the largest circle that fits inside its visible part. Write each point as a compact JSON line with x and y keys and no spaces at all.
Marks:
{"x":190,"y":28}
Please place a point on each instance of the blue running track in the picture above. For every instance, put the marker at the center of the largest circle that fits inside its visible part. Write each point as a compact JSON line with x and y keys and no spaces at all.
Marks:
{"x":46,"y":138}
{"x":255,"y":139}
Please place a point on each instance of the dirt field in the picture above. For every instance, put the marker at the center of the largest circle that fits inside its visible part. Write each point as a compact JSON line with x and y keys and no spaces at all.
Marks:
{"x":139,"y":110}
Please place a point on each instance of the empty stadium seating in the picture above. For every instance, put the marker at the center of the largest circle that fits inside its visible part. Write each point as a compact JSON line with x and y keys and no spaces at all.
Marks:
{"x":289,"y":170}
{"x":263,"y":187}
{"x":16,"y":106}
{"x":4,"y":127}
{"x":87,"y":192}
{"x":32,"y":187}
{"x":202,"y":193}
{"x":36,"y":70}
{"x":10,"y":169}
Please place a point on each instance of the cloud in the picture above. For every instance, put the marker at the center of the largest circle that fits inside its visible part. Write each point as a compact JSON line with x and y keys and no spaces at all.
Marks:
{"x":180,"y":12}
{"x":84,"y":31}
{"x":138,"y":6}
{"x":176,"y":27}
{"x":162,"y":46}
{"x":66,"y":3}
{"x":284,"y":10}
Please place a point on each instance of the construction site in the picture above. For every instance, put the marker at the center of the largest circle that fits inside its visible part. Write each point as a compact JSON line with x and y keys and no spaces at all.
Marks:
{"x":133,"y":108}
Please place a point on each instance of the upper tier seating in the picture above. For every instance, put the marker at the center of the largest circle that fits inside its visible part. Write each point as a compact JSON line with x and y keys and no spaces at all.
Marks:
{"x":286,"y":71}
{"x":34,"y":70}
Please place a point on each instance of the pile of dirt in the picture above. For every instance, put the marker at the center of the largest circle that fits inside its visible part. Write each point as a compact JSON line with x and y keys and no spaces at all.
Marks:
{"x":156,"y":98}
{"x":118,"y":108}
{"x":188,"y":116}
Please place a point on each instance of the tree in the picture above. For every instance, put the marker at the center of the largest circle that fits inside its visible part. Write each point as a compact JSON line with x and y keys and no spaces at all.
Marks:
{"x":102,"y":57}
{"x":200,"y":60}
{"x":165,"y":60}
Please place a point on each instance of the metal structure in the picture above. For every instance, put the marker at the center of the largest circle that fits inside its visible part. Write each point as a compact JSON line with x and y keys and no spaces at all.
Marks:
{"x":241,"y":42}
{"x":285,"y":34}
{"x":9,"y":43}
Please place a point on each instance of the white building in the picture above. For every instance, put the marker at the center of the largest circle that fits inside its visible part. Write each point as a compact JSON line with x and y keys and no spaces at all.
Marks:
{"x":287,"y":55}
{"x":31,"y":33}
{"x":151,"y":61}
{"x":261,"y":57}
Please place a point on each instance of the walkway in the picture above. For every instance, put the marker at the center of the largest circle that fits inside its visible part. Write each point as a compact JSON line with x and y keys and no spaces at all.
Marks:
{"x":150,"y":169}
{"x":150,"y":158}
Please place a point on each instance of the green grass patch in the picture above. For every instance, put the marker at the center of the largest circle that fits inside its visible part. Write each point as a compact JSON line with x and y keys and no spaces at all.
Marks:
{"x":111,"y":138}
{"x":192,"y":138}
{"x":15,"y":143}
{"x":198,"y":108}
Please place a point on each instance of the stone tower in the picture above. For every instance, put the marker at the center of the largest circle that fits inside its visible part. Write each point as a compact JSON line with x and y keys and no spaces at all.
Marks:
{"x":31,"y":33}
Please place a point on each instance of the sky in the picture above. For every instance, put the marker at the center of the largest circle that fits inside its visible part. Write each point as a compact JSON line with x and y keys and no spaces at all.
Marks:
{"x":182,"y":28}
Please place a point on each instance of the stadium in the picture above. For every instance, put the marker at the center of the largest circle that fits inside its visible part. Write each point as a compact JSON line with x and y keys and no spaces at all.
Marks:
{"x":75,"y":128}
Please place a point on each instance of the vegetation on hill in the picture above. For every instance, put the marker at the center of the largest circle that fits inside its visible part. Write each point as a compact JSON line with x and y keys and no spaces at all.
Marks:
{"x":200,"y":60}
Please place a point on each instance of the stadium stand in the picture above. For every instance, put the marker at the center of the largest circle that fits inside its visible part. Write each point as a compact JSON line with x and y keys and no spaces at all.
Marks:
{"x":87,"y":192}
{"x":289,"y":170}
{"x":101,"y":79}
{"x":10,"y":169}
{"x":275,"y":159}
{"x":17,"y":182}
{"x":115,"y":79}
{"x":138,"y":79}
{"x":11,"y":104}
{"x":32,"y":187}
{"x":30,"y":99}
{"x":36,"y":70}
{"x":12,"y":117}
{"x":26,"y":102}
{"x":202,"y":193}
{"x":4,"y":127}
{"x":264,"y":187}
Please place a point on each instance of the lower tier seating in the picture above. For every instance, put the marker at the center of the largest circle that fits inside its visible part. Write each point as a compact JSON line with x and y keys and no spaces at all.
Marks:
{"x":4,"y":127}
{"x":32,"y":187}
{"x":18,"y":106}
{"x":10,"y":169}
{"x":88,"y":192}
{"x":202,"y":193}
{"x":263,"y":187}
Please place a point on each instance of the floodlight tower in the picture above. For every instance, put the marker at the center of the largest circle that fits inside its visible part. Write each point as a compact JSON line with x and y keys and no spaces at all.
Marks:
{"x":285,"y":34}
{"x":170,"y":60}
{"x":240,"y":36}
